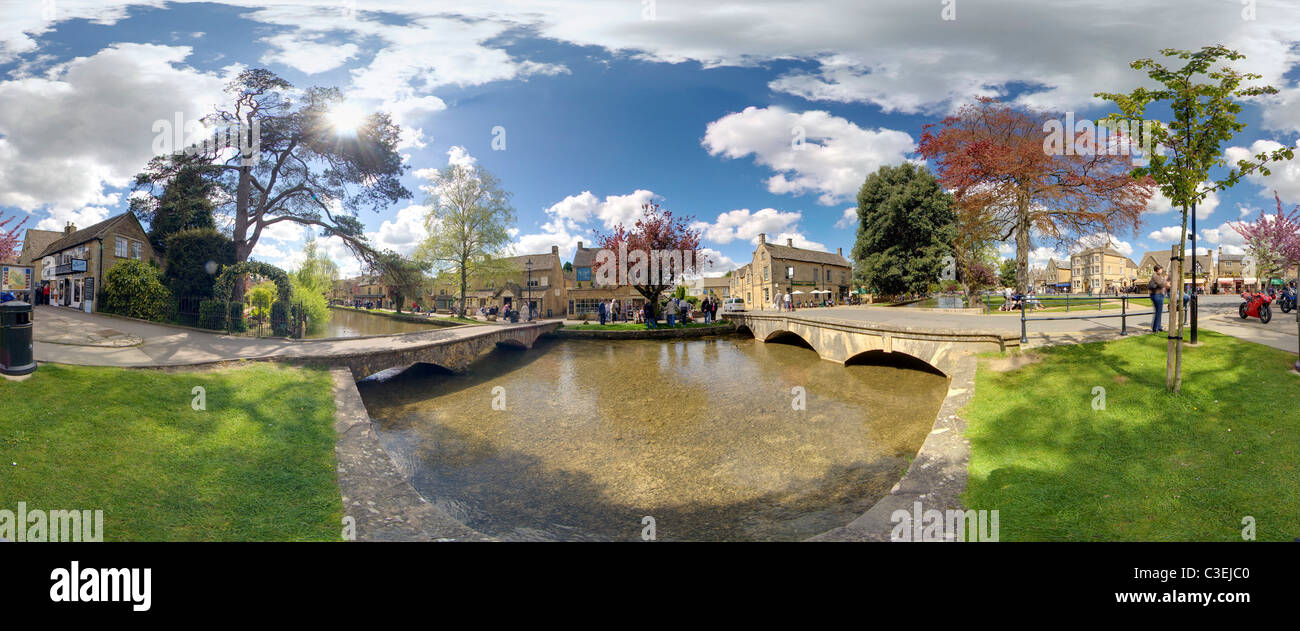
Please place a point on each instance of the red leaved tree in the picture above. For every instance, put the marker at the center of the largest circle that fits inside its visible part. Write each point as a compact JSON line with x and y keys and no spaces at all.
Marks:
{"x":9,"y":240}
{"x":1274,"y":240}
{"x":651,"y":256}
{"x":994,"y":157}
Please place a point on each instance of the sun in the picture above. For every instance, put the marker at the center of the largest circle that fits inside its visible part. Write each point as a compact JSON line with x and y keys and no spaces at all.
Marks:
{"x":345,"y":118}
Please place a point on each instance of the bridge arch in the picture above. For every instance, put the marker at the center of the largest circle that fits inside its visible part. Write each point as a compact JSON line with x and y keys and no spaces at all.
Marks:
{"x":783,"y":336}
{"x":897,"y":359}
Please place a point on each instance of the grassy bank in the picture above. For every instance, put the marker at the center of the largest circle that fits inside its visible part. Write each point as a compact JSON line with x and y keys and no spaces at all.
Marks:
{"x":1151,"y":465}
{"x":632,"y":326}
{"x":256,"y":465}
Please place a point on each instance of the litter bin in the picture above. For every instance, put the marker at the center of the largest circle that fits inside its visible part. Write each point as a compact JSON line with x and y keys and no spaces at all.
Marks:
{"x":16,"y":338}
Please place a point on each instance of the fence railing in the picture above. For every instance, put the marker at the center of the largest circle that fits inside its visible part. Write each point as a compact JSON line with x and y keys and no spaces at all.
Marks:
{"x":1124,"y":314}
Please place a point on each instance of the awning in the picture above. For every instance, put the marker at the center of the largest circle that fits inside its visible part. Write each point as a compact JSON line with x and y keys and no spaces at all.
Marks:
{"x":1227,"y":281}
{"x":1250,"y":281}
{"x":1277,"y":281}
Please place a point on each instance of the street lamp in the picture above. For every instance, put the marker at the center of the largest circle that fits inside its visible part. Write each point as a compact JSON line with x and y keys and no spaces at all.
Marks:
{"x":529,"y":300}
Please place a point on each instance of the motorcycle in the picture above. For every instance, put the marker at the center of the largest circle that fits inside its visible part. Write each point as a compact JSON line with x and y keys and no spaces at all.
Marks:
{"x":1256,"y":306}
{"x":1286,"y":301}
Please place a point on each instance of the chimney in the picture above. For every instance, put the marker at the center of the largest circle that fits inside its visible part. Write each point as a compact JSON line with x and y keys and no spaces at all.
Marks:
{"x":762,"y":238}
{"x":789,"y":242}
{"x":839,"y":252}
{"x":579,"y":245}
{"x":69,"y":229}
{"x":555,"y":249}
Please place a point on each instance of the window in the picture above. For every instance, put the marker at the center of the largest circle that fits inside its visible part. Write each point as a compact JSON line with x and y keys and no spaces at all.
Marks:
{"x":119,"y":249}
{"x":137,"y":249}
{"x":764,"y":273}
{"x":789,"y":271}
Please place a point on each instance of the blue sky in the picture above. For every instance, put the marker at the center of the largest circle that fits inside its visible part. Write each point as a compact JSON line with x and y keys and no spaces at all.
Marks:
{"x":605,"y":105}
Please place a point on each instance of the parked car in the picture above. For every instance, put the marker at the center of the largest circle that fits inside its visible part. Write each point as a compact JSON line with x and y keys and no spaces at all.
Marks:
{"x":733,"y":304}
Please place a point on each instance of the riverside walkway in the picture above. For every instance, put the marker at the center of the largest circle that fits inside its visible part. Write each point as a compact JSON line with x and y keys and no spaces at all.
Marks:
{"x":67,"y":336}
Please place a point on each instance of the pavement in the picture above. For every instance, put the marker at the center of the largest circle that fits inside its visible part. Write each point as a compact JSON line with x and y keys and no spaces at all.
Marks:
{"x":67,"y":336}
{"x":73,"y":337}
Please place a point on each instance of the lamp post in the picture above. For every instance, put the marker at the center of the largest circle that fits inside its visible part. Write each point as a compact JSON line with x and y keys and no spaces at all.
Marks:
{"x":1193,"y":303}
{"x":529,"y":300}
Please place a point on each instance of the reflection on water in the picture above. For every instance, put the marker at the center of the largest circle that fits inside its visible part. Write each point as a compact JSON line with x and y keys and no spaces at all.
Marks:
{"x":941,"y":302}
{"x":699,"y":434}
{"x":348,"y":323}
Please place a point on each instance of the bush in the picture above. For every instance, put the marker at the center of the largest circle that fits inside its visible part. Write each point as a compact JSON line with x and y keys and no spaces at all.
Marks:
{"x":311,"y":303}
{"x":280,"y":318}
{"x":134,"y":288}
{"x":235,"y":317}
{"x":212,"y":314}
{"x":188,"y":254}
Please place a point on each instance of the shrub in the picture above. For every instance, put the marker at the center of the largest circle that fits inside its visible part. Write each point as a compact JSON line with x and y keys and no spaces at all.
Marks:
{"x":134,"y":288}
{"x":312,"y":303}
{"x":212,"y":314}
{"x":189,"y":253}
{"x":235,"y":317}
{"x":280,"y":318}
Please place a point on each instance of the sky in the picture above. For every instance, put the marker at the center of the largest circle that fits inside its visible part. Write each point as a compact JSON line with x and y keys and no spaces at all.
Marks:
{"x":759,"y":116}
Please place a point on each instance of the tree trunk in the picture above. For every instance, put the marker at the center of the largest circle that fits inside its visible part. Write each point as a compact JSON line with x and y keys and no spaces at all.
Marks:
{"x":464,"y":282}
{"x":242,"y":248}
{"x":1182,"y":313}
{"x":1022,"y":246}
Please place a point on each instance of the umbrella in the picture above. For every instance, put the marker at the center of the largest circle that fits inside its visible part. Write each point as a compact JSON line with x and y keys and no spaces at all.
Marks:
{"x":796,"y":292}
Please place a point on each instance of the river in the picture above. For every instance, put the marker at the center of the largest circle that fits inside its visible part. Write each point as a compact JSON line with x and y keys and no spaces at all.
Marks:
{"x":349,"y":323}
{"x":700,"y":435}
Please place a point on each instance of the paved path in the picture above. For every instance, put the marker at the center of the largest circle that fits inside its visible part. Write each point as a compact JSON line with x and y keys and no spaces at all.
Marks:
{"x":1280,"y":333}
{"x":172,"y":346}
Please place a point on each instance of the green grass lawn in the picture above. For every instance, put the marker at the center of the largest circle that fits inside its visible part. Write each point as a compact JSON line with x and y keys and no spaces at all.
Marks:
{"x":632,"y":326}
{"x":257,"y":465}
{"x":1151,"y":466}
{"x":1136,"y":302}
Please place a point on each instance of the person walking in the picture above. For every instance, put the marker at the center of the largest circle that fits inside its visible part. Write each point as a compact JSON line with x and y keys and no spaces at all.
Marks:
{"x":1157,"y":286}
{"x":671,"y":311}
{"x":602,"y":310}
{"x":789,"y":304}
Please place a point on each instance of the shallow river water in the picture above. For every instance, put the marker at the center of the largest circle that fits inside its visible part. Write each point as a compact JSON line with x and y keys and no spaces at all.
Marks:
{"x":700,"y":435}
{"x":348,"y":323}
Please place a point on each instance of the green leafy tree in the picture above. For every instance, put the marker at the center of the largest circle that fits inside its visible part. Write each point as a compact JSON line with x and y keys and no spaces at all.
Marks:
{"x":906,"y":228}
{"x":468,"y":222}
{"x":405,"y":278}
{"x":260,"y":298}
{"x":185,"y":203}
{"x":312,"y":282}
{"x":1204,"y":118}
{"x":134,"y":288}
{"x":294,"y":164}
{"x":1007,"y":273}
{"x":194,"y":258}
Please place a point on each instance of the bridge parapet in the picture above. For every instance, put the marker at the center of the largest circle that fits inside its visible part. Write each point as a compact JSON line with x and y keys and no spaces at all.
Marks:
{"x":840,"y":340}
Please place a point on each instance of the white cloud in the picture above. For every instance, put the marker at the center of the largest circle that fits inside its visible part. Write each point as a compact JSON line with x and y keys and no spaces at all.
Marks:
{"x":306,"y":53}
{"x":742,"y":224}
{"x":810,"y":152}
{"x":88,"y":123}
{"x":1285,"y":178}
{"x":83,"y":218}
{"x":797,"y":239}
{"x":404,"y":233}
{"x":1168,"y":234}
{"x":848,"y":218}
{"x":1102,"y":239}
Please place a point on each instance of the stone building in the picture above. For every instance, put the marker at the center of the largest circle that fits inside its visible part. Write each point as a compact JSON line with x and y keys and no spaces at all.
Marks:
{"x":583,"y":294}
{"x":74,"y":265}
{"x":1204,"y":267}
{"x":537,"y":279}
{"x":1100,"y":270}
{"x":780,"y":269}
{"x":715,"y":288}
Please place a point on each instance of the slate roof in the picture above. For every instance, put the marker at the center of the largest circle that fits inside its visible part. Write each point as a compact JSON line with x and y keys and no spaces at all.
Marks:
{"x":86,"y":234}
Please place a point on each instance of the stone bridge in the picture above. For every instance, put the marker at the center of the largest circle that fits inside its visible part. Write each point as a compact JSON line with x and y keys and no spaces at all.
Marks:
{"x":453,"y":349}
{"x":843,"y":341}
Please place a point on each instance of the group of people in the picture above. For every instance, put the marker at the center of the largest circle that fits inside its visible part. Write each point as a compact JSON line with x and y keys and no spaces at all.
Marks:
{"x":675,"y":310}
{"x":1014,"y":300}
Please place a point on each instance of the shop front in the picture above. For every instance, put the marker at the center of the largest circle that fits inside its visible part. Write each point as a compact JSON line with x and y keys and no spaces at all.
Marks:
{"x":70,"y":281}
